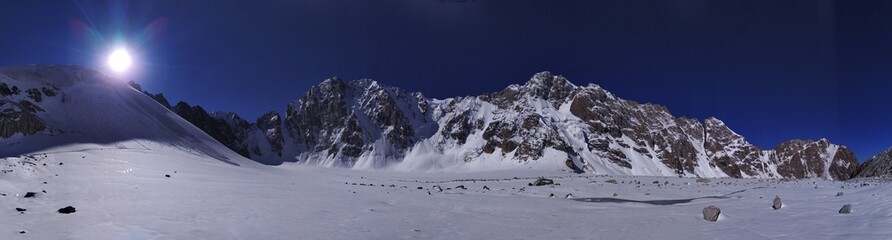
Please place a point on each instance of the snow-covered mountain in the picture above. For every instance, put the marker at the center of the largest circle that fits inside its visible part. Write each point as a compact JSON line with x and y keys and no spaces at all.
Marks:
{"x":878,"y":166}
{"x":548,"y":122}
{"x":46,"y":108}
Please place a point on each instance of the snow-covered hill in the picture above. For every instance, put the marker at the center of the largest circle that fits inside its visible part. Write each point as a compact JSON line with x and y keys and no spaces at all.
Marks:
{"x":546,"y":123}
{"x":65,"y":108}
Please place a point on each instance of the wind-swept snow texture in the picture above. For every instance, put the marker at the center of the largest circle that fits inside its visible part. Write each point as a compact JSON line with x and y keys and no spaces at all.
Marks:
{"x":124,"y":194}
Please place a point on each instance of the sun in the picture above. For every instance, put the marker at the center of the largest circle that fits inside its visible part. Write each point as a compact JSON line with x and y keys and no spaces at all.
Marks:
{"x":119,"y":60}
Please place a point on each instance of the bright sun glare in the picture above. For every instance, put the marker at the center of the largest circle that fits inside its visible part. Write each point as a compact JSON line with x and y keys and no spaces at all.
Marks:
{"x":119,"y":60}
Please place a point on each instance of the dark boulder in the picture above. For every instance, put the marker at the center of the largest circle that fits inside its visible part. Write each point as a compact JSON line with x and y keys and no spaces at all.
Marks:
{"x":777,"y":203}
{"x":846,"y":209}
{"x":67,"y":210}
{"x":541,"y":182}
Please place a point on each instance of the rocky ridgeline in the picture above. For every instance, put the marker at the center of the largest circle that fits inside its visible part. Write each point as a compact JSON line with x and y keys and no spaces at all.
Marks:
{"x":878,"y":166}
{"x":339,"y":123}
{"x":365,"y":124}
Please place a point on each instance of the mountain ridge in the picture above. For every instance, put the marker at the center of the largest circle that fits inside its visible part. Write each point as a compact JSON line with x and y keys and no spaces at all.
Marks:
{"x":364,"y":124}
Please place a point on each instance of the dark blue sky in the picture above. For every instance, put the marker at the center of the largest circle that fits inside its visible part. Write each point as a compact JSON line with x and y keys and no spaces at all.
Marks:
{"x":772,"y":70}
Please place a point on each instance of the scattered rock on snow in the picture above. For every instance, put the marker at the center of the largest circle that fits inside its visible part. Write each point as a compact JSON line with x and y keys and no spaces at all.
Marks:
{"x":846,"y":209}
{"x":485,"y":188}
{"x":67,"y":210}
{"x":541,"y":182}
{"x":711,"y":213}
{"x":30,"y":194}
{"x":703,"y":180}
{"x":611,"y":181}
{"x":839,"y":194}
{"x":21,"y":209}
{"x":569,"y":195}
{"x":460,"y":187}
{"x":167,"y":175}
{"x":777,"y":203}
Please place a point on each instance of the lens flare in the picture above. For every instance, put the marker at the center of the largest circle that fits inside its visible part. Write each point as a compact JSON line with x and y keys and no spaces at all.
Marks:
{"x":119,"y":60}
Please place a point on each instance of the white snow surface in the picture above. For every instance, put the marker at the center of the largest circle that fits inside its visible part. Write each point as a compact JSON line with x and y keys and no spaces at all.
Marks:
{"x":116,"y":146}
{"x":123,"y":194}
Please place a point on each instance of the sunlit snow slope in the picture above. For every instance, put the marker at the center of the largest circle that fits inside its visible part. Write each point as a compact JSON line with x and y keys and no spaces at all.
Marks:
{"x":64,"y":108}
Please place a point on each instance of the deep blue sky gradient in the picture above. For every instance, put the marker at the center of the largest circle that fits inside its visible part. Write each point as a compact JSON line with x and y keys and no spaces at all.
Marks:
{"x":772,"y":70}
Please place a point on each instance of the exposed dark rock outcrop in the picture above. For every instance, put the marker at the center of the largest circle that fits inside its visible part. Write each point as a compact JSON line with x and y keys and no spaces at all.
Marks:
{"x":67,"y":210}
{"x":878,"y":166}
{"x":220,"y":130}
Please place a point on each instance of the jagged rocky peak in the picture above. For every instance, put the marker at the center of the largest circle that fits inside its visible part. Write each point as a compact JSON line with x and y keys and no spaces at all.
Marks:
{"x":270,"y":127}
{"x":160,"y":99}
{"x":339,"y":121}
{"x":334,"y":85}
{"x":814,"y":159}
{"x":879,"y":165}
{"x":543,"y":85}
{"x":230,"y":118}
{"x":548,"y":86}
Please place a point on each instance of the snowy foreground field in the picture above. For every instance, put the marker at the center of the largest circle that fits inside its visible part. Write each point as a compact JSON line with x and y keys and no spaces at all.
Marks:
{"x":124,"y":194}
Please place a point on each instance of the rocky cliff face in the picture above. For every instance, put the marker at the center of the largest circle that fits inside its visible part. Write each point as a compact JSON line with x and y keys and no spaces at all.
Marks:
{"x":878,"y":166}
{"x":337,"y":123}
{"x":546,"y":121}
{"x":20,"y":105}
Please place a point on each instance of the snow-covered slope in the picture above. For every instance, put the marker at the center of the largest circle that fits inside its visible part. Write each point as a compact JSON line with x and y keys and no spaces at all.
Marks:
{"x":64,"y":108}
{"x":124,"y":194}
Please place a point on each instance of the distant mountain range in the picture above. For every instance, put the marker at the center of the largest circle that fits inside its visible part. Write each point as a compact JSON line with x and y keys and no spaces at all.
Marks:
{"x":548,"y":122}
